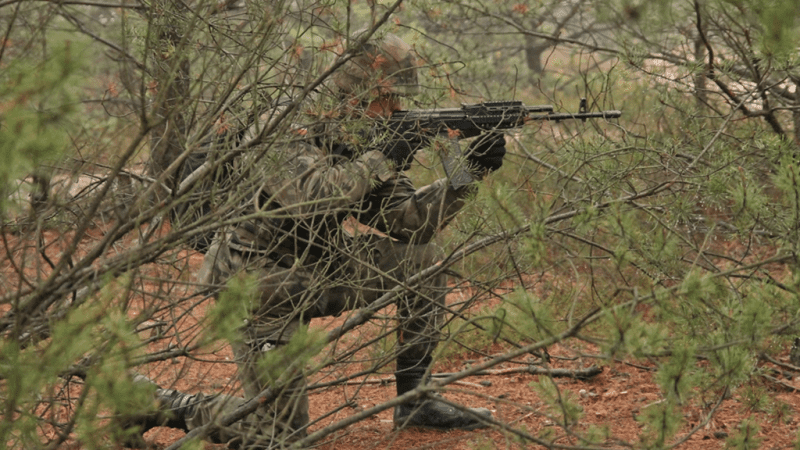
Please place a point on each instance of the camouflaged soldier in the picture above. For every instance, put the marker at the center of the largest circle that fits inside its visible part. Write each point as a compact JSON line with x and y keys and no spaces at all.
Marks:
{"x":309,"y":265}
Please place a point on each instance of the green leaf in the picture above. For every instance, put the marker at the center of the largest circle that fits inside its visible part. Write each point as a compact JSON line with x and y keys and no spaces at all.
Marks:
{"x":746,"y":436}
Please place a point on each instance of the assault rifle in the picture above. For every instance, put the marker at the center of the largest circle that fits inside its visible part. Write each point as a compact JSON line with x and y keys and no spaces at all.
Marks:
{"x":472,"y":120}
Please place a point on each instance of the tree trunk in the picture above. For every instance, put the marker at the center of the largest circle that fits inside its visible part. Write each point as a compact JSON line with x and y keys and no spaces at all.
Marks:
{"x":171,"y":77}
{"x":700,"y":79}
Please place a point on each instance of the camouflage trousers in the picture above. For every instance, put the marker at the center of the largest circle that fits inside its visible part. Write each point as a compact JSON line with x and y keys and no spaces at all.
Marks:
{"x":290,"y":295}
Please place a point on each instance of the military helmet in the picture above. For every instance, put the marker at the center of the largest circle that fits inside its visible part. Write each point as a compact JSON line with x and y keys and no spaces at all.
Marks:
{"x":384,"y":65}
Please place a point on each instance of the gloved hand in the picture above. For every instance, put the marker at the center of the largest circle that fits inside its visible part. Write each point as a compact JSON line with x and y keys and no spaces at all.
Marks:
{"x":487,"y":151}
{"x":400,"y":148}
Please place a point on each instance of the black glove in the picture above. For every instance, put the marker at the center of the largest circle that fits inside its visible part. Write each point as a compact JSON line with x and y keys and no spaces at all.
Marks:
{"x":486,"y":152}
{"x":400,"y":148}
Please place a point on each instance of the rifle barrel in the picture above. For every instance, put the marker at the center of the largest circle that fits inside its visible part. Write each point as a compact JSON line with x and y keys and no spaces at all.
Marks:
{"x":611,"y":114}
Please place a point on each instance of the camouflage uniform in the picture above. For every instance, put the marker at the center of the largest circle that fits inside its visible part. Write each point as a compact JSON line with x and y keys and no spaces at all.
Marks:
{"x":310,"y":266}
{"x":290,"y":236}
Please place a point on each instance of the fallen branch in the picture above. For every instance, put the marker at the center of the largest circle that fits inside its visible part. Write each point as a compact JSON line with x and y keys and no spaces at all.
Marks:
{"x":580,"y":374}
{"x":390,"y":380}
{"x":786,"y":386}
{"x":765,"y":357}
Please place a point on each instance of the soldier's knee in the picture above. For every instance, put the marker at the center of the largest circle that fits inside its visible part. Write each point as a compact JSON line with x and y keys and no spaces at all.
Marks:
{"x":420,"y":255}
{"x":428,"y":254}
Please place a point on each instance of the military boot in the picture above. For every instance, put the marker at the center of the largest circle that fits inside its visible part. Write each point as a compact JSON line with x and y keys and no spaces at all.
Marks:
{"x":173,"y":409}
{"x":430,"y":412}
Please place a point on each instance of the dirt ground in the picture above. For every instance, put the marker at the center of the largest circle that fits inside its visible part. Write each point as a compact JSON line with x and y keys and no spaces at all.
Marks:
{"x":612,"y":399}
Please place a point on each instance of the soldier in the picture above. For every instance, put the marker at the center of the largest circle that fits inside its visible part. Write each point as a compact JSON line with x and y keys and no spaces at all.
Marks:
{"x":309,"y":266}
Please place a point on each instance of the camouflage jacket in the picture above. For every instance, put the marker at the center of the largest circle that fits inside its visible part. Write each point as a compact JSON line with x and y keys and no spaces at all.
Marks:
{"x":303,"y":194}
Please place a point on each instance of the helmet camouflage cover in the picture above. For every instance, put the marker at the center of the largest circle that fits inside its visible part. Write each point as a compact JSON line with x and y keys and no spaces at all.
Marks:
{"x":386,"y":65}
